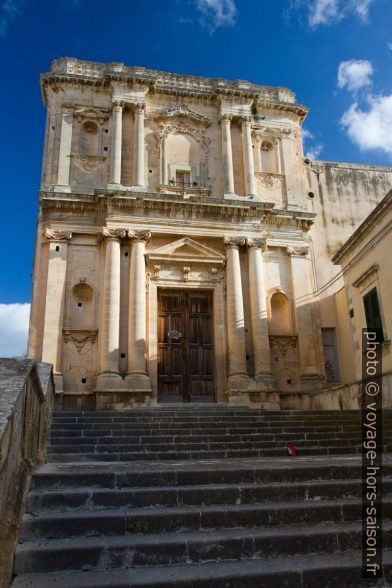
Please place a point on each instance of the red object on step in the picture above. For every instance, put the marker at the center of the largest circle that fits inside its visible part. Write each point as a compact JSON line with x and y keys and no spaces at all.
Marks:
{"x":292,"y":449}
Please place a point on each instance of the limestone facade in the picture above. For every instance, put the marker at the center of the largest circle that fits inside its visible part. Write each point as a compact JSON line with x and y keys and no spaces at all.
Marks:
{"x":183,"y":245}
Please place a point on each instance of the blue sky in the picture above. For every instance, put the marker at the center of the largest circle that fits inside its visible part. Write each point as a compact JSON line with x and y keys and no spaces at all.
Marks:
{"x":335,"y":54}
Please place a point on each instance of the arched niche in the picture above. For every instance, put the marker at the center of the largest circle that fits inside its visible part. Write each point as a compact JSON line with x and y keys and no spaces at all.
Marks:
{"x":281,"y":323}
{"x":82,"y":307}
{"x":89,"y":138}
{"x":268,"y":157}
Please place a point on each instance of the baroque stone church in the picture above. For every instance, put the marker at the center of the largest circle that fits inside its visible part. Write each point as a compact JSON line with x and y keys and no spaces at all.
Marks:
{"x":184,"y":243}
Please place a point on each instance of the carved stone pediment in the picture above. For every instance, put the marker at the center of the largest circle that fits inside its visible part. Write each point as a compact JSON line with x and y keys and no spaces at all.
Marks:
{"x":79,"y":337}
{"x":91,"y":113}
{"x":185,"y":251}
{"x":183,"y":112}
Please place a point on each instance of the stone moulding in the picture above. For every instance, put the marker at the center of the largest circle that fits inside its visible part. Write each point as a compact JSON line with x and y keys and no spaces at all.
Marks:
{"x":80,"y":337}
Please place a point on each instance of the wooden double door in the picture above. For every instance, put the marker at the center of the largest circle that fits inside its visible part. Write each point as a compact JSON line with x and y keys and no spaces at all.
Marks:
{"x":185,"y":346}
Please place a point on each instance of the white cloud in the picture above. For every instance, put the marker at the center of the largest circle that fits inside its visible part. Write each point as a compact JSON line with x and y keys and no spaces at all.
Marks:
{"x":217,"y":13}
{"x":370,"y":128}
{"x":9,"y":10}
{"x":329,"y":12}
{"x":361,"y":7}
{"x":355,"y":74}
{"x":311,"y":147}
{"x":14,"y":325}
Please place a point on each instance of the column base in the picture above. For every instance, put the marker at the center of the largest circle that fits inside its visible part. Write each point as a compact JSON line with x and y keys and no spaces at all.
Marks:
{"x":311,"y":382}
{"x":109,"y":380}
{"x":265,"y":381}
{"x":244,"y":391}
{"x":137,"y":381}
{"x":123,"y":399}
{"x":63,"y":189}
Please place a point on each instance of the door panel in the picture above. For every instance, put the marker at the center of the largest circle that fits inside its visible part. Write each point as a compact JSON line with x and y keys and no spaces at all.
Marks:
{"x":185,"y":343}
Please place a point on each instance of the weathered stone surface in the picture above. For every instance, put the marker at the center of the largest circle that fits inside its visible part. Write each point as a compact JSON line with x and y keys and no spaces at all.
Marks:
{"x":26,"y":400}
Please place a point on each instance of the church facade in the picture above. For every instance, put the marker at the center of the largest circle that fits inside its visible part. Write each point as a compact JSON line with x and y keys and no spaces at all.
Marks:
{"x":184,"y":242}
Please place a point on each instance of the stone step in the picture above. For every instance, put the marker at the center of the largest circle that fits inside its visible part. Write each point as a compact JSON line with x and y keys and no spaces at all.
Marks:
{"x":233,"y":430}
{"x":181,"y":495}
{"x":54,"y":525}
{"x":203,"y":454}
{"x":113,"y":552}
{"x":299,"y":571}
{"x":169,"y":409}
{"x":65,"y":476}
{"x":88,"y":447}
{"x":75,"y":437}
{"x":120,"y":417}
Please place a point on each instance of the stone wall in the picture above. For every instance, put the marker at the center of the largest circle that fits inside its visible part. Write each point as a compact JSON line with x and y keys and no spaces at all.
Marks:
{"x":26,"y":399}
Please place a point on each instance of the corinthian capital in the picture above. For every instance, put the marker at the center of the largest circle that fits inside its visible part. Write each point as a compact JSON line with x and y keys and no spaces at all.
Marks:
{"x":252,"y":242}
{"x":111,"y":234}
{"x":143,"y":235}
{"x":234,"y":241}
{"x":140,"y":109}
{"x":52,"y":235}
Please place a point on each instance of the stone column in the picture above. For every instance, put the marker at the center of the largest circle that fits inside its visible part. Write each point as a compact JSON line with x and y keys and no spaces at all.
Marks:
{"x":164,"y":179}
{"x":257,"y":154}
{"x":235,"y":312}
{"x":309,"y":340}
{"x":110,"y":323}
{"x":54,"y":303}
{"x":139,"y":146}
{"x":65,"y":149}
{"x":115,"y":162}
{"x":137,"y":376}
{"x":227,"y":155}
{"x":247,"y":152}
{"x":258,"y":310}
{"x":288,"y":164}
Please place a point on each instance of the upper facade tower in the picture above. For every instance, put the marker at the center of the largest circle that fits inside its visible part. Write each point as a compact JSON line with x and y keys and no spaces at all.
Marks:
{"x":129,"y":129}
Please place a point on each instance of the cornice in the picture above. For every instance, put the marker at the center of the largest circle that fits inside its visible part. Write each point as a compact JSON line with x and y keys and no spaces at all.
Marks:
{"x":172,"y":207}
{"x":70,"y":71}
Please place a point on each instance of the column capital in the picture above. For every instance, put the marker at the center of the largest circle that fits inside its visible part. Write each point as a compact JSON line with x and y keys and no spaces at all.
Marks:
{"x":143,"y":235}
{"x":245,"y":121}
{"x":115,"y":234}
{"x":234,"y":242}
{"x":226,"y":118}
{"x":258,"y":243}
{"x":118,"y":105}
{"x":68,"y":109}
{"x":140,"y":108}
{"x":52,"y":235}
{"x":298,"y":251}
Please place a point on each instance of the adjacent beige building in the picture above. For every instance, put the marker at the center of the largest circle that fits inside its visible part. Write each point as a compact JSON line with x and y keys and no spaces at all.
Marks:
{"x":184,"y":244}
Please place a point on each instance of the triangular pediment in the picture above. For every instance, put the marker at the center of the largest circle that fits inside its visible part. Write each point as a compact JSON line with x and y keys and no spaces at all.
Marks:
{"x":186,"y":249}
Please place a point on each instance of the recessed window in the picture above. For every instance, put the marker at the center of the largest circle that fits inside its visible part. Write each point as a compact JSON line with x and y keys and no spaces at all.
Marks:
{"x":289,"y":381}
{"x":57,"y":247}
{"x":80,"y":304}
{"x":126,"y":254}
{"x":373,"y":313}
{"x":311,"y":195}
{"x":183,"y":178}
{"x":122,"y":355}
{"x":105,"y":148}
{"x":307,"y":161}
{"x":84,"y":380}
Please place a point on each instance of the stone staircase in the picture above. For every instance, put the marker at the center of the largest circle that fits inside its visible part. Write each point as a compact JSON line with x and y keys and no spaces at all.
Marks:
{"x":200,"y":496}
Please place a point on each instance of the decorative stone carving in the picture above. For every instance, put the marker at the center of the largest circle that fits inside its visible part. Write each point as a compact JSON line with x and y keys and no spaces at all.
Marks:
{"x":183,"y":111}
{"x":269,"y":180}
{"x":88,"y":163}
{"x":282,"y":343}
{"x":107,"y":233}
{"x":252,"y":242}
{"x":300,"y":251}
{"x":79,"y":337}
{"x":181,"y":127}
{"x":143,"y":235}
{"x":53,"y":235}
{"x":234,"y":241}
{"x":187,"y":271}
